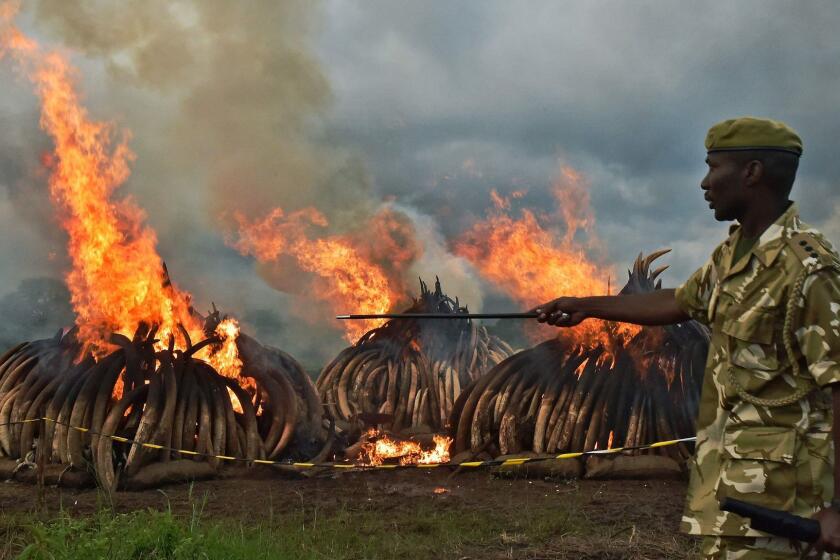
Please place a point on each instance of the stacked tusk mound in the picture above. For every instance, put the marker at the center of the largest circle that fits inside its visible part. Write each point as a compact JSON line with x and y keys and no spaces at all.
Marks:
{"x":554,"y":398}
{"x":407,"y":374}
{"x":143,"y":394}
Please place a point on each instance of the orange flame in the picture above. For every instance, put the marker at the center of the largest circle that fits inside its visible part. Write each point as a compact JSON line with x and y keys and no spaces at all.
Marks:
{"x":348,"y":277}
{"x":531,"y":264}
{"x":380,"y":447}
{"x":119,"y":387}
{"x":226,"y":358}
{"x":581,"y":367}
{"x":117,"y":280}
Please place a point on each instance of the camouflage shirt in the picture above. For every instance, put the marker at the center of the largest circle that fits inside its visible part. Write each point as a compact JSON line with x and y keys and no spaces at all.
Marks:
{"x":778,"y":457}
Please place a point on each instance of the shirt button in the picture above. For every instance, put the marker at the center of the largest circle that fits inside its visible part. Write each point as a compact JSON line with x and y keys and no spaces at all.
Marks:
{"x":803,"y":242}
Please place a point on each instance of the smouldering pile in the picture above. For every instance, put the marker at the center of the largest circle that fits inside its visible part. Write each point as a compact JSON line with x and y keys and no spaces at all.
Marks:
{"x":410,"y":372}
{"x":165,"y":397}
{"x":557,"y":398}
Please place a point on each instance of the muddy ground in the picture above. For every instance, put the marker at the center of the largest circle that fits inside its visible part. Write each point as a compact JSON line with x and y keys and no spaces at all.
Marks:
{"x":577,"y":518}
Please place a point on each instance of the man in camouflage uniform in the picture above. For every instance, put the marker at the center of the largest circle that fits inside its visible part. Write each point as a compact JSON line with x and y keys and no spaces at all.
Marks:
{"x":770,"y":294}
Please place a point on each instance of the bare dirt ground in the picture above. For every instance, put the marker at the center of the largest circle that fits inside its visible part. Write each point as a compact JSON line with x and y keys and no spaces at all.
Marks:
{"x":528,"y":518}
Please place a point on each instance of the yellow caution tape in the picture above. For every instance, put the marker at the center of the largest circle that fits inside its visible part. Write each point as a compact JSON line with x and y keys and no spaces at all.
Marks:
{"x":513,"y":461}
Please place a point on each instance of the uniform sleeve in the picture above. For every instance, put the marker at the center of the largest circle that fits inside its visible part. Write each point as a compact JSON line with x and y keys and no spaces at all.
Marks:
{"x":818,"y":330}
{"x":694,"y":295}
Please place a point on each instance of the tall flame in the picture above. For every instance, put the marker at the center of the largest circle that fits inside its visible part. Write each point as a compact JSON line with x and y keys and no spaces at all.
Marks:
{"x":117,"y":280}
{"x":348,"y":276}
{"x":528,"y":261}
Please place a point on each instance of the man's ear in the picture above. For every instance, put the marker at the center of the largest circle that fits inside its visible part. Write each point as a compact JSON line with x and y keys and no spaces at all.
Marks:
{"x":753,"y":172}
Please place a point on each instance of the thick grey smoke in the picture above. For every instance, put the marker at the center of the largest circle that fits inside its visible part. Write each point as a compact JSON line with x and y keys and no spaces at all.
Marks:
{"x":32,"y":244}
{"x":38,"y":308}
{"x":222,"y":94}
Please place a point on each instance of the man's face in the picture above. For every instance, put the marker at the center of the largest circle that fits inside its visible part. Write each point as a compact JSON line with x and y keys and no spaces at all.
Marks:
{"x":723,"y":186}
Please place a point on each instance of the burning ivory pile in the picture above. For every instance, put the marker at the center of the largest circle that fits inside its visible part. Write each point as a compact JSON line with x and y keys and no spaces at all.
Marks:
{"x":146,"y":395}
{"x":407,"y":374}
{"x":556,"y":397}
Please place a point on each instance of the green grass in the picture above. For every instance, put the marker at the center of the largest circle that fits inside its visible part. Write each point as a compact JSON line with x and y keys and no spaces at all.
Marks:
{"x":307,"y":533}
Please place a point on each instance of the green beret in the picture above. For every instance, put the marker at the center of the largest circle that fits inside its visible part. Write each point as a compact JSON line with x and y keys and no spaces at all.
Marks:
{"x":751,"y":133}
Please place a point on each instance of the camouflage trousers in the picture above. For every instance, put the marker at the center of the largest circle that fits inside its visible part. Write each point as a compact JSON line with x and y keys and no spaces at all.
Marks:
{"x":755,"y":548}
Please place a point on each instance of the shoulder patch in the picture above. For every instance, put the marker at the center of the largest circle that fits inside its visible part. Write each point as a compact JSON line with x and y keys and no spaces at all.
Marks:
{"x":811,"y":251}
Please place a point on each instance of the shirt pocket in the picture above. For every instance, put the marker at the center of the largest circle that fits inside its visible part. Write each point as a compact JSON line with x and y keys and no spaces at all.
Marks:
{"x":758,"y":466}
{"x":751,"y":339}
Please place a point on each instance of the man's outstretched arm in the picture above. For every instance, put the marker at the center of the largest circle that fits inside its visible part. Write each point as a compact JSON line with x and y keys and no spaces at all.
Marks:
{"x":654,"y":308}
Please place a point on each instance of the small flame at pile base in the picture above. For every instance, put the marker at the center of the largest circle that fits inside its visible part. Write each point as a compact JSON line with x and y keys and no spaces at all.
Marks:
{"x":380,"y":447}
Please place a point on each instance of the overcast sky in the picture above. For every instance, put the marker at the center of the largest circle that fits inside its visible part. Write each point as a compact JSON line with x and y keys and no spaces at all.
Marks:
{"x":433,"y":104}
{"x":623,"y":91}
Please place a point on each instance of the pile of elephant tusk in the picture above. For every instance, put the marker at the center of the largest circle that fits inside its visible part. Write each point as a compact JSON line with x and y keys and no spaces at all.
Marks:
{"x":168,"y":398}
{"x":409,"y":372}
{"x":556,"y":397}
